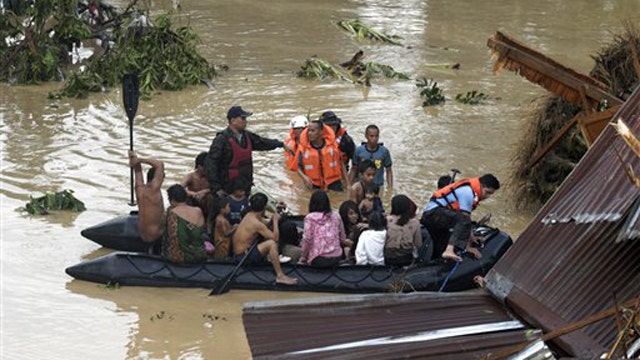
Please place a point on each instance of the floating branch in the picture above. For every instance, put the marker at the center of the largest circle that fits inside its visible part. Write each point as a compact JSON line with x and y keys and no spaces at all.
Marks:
{"x":362,"y":32}
{"x":430,"y":91}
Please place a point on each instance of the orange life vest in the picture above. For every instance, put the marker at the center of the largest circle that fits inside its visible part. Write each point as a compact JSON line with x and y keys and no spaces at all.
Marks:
{"x":290,"y":159}
{"x":442,"y":193}
{"x":321,"y":166}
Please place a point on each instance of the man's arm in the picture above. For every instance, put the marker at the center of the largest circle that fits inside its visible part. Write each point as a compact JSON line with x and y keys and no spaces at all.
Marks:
{"x":305,"y":179}
{"x":262,"y":144}
{"x":387,"y":163}
{"x":158,"y":175}
{"x":212,"y":163}
{"x":354,"y":167}
{"x":345,"y":175}
{"x":134,"y":163}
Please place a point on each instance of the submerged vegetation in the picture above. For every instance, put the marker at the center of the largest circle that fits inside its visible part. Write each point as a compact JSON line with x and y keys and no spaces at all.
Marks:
{"x":61,"y":200}
{"x":44,"y":38}
{"x":430,"y":91}
{"x":362,"y":32}
{"x":354,"y":70}
{"x":472,"y":98}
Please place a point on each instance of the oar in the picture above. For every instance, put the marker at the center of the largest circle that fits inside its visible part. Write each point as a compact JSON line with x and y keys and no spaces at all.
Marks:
{"x":221,"y":285}
{"x":130,"y":94}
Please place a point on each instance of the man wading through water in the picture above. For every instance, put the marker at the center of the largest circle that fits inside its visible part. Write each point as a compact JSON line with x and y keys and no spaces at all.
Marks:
{"x":230,"y":153}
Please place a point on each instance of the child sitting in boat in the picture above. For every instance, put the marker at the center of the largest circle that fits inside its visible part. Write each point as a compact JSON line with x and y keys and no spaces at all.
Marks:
{"x":370,"y":248}
{"x":323,"y":235}
{"x":404,"y":238}
{"x":371,"y":202}
{"x":367,"y":171}
{"x":223,"y":230}
{"x":353,"y":226}
{"x":238,"y":201}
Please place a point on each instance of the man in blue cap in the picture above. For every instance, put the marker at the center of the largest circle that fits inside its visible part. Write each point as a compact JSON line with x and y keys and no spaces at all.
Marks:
{"x":230,"y":153}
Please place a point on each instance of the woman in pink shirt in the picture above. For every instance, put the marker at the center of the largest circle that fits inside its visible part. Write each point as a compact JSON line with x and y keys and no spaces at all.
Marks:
{"x":323,"y":235}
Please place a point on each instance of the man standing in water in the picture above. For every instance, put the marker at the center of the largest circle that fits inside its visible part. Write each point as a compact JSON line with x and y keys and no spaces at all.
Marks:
{"x":251,"y":229}
{"x":230,"y":153}
{"x":448,"y":213}
{"x":149,"y":197}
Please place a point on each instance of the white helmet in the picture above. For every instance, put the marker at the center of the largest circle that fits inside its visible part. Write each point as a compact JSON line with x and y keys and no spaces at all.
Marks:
{"x":299,"y":121}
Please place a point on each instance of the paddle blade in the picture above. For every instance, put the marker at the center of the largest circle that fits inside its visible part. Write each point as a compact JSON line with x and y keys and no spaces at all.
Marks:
{"x":221,"y":285}
{"x":130,"y":94}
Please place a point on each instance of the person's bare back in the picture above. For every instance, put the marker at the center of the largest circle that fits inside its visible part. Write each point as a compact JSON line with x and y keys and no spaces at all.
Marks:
{"x":149,"y":198}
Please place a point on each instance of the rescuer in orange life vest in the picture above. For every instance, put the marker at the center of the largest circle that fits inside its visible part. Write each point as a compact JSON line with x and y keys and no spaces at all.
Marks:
{"x":448,"y":213}
{"x":319,"y":162}
{"x":298,"y":123}
{"x":343,"y":139}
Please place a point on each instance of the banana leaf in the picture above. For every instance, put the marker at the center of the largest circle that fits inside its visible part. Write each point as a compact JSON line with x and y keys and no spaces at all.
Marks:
{"x":61,"y":200}
{"x":362,"y":31}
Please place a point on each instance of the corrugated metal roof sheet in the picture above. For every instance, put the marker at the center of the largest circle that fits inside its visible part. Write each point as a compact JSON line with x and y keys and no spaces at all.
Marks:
{"x":385,"y":326}
{"x":598,"y":188}
{"x":567,"y":264}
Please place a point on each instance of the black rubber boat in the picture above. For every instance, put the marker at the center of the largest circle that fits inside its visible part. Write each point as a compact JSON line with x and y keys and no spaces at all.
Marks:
{"x":140,"y":269}
{"x":122,"y":233}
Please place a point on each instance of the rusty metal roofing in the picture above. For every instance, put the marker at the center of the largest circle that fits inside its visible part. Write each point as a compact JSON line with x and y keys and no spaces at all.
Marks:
{"x":598,"y":188}
{"x":383,"y":326}
{"x":567,"y":264}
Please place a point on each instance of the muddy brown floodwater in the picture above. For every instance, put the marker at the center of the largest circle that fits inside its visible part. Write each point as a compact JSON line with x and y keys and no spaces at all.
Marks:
{"x":81,"y":145}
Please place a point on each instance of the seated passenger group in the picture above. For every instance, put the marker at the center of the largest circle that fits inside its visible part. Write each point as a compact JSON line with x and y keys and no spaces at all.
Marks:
{"x":223,"y":222}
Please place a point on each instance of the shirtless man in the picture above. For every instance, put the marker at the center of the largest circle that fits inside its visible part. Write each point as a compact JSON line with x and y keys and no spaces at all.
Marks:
{"x":149,"y":197}
{"x":250,"y":228}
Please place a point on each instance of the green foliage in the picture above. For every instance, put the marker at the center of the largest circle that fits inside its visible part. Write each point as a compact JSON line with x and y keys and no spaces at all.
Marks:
{"x":362,"y":31}
{"x":41,"y":36}
{"x":164,"y":56}
{"x":430,"y":91}
{"x":316,"y":68}
{"x":472,"y":98}
{"x":353,"y":71}
{"x":62,"y":200}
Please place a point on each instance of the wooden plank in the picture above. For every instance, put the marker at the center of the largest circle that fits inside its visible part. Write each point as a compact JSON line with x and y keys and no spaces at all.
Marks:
{"x":593,"y":124}
{"x":549,"y":73}
{"x":557,"y":137}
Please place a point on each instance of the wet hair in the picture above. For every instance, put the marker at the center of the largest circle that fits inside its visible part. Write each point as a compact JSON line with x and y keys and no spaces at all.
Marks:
{"x":401,"y":206}
{"x":443,"y":181}
{"x":258,"y":202}
{"x":374,"y":189}
{"x":238,"y":183}
{"x":366,"y":164}
{"x":200,"y":159}
{"x":490,"y":181}
{"x":150,"y":174}
{"x":177,"y":193}
{"x":319,"y":202}
{"x":218,"y":205}
{"x":372,"y":127}
{"x":344,"y":212}
{"x":377,"y":221}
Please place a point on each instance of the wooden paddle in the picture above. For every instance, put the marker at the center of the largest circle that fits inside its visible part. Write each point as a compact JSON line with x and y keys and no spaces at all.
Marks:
{"x":130,"y":95}
{"x":221,"y":285}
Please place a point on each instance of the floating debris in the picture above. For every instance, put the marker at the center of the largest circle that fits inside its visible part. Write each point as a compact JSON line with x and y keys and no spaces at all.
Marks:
{"x":362,"y":32}
{"x":61,"y":200}
{"x":354,"y":70}
{"x":472,"y":98}
{"x":430,"y":91}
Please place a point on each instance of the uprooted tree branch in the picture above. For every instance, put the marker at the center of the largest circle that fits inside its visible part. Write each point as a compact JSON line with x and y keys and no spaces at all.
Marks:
{"x":41,"y":42}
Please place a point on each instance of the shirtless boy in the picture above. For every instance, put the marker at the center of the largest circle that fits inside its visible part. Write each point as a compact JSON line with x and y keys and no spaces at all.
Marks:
{"x":149,"y":197}
{"x":196,"y":182}
{"x":250,"y":228}
{"x":367,"y":170}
